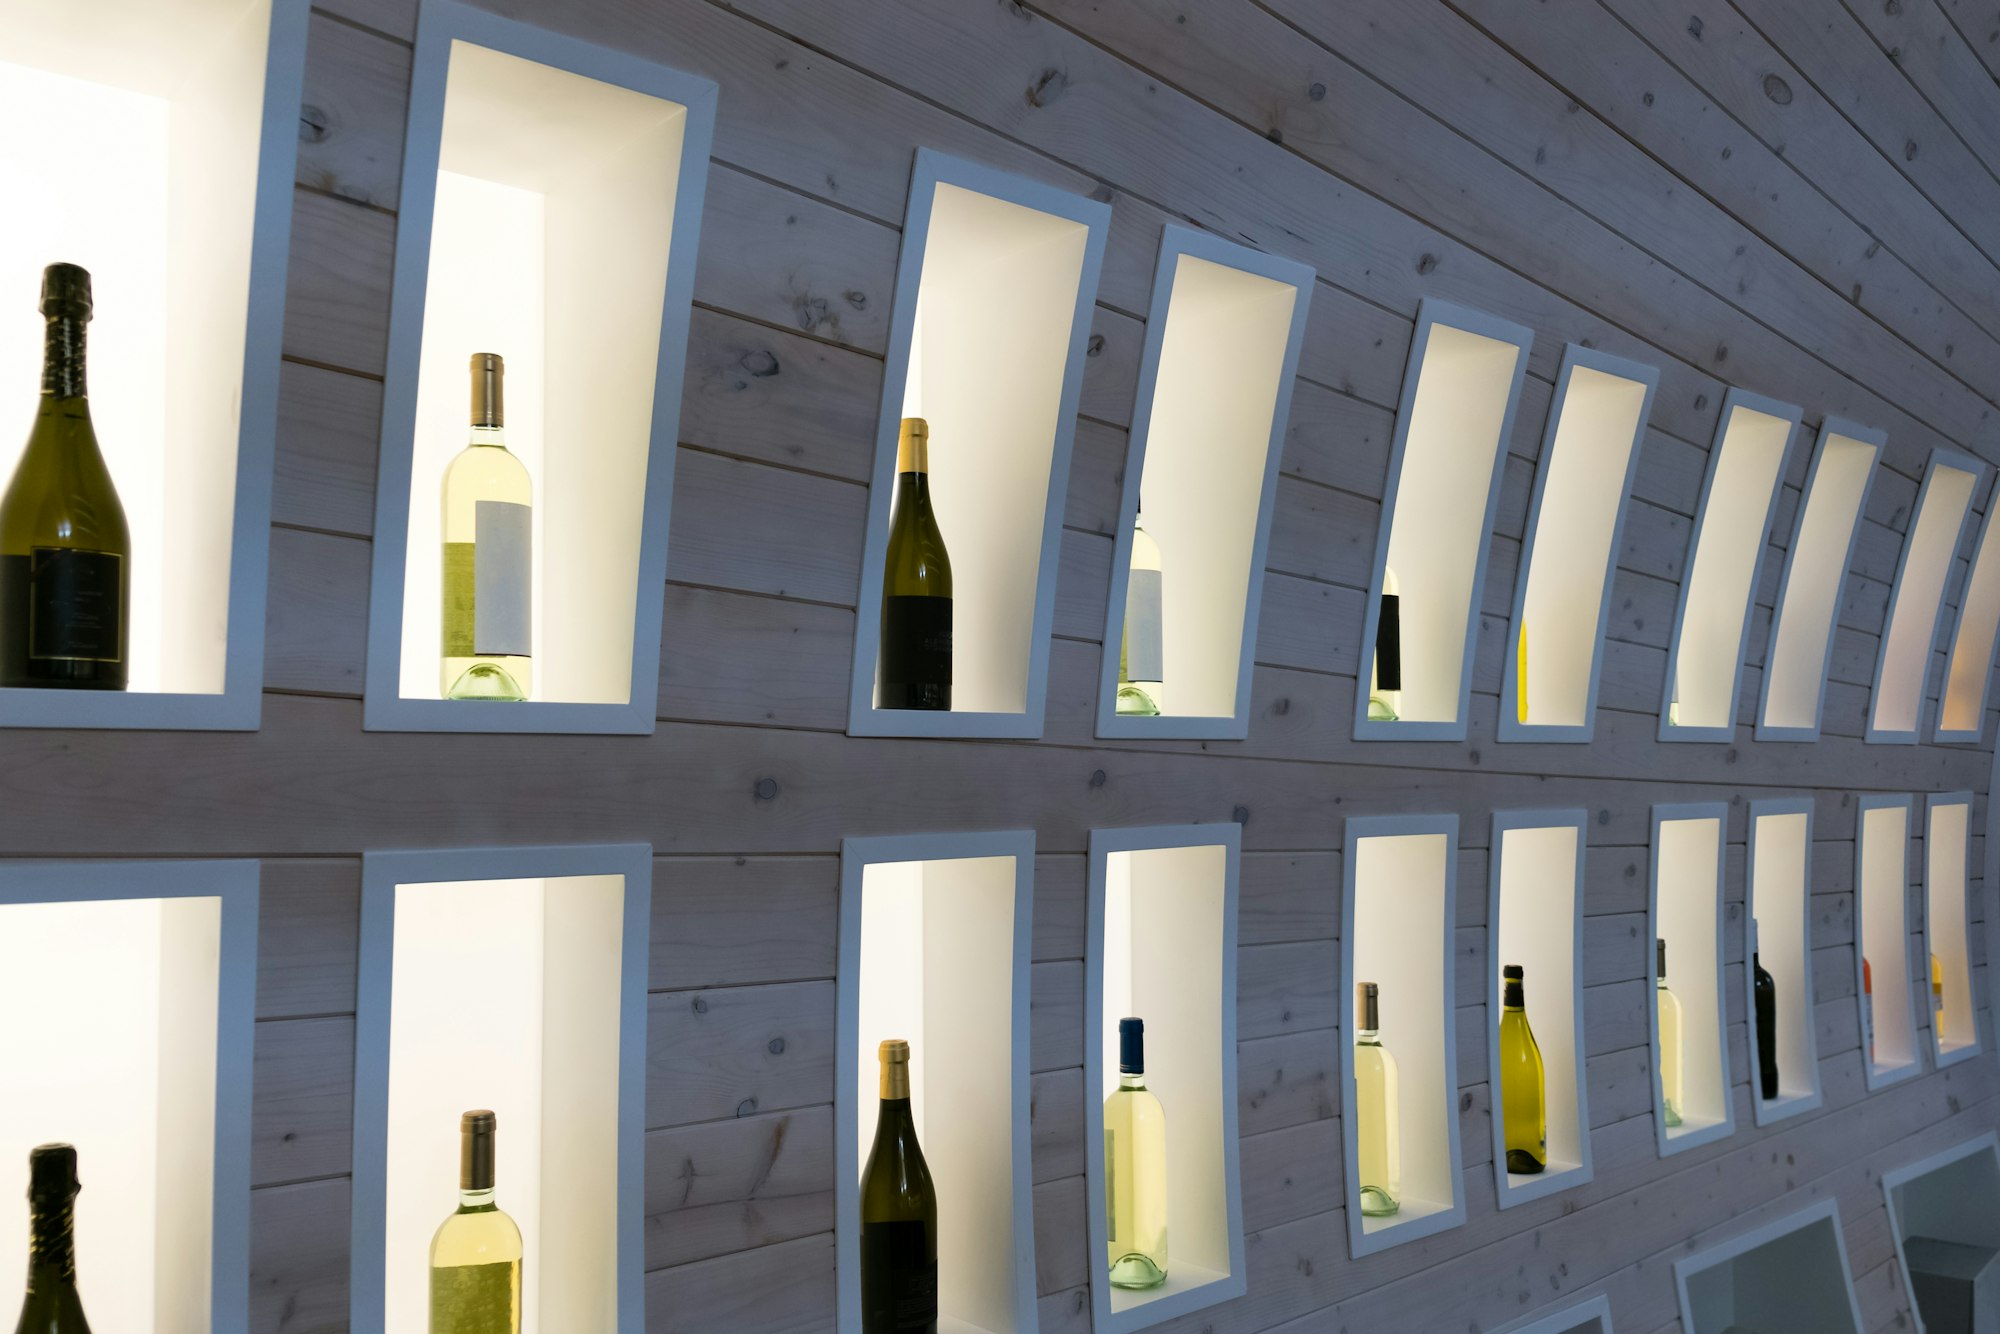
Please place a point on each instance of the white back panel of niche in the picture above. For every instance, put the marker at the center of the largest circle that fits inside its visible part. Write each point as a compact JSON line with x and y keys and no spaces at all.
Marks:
{"x":1903,"y":662}
{"x":1968,"y":674}
{"x":534,"y":164}
{"x":1208,"y":432}
{"x":995,"y":288}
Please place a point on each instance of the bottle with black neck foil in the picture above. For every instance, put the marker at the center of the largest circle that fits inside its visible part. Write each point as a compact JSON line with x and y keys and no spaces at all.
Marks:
{"x":52,"y":1305}
{"x":476,"y":1254}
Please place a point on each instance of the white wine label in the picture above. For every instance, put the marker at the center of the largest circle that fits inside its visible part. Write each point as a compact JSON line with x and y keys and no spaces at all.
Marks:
{"x":1145,"y":657}
{"x":74,"y":605}
{"x":503,"y":579}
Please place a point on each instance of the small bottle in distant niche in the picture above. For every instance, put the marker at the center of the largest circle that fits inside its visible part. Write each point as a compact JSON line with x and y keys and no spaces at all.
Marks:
{"x":1937,"y":999}
{"x":489,"y":555}
{"x":1378,"y":1133}
{"x":476,"y":1254}
{"x":1670,"y":1038}
{"x":916,"y":649}
{"x":1764,"y":991}
{"x":52,"y":1305}
{"x":1385,"y":675}
{"x":1142,"y":651}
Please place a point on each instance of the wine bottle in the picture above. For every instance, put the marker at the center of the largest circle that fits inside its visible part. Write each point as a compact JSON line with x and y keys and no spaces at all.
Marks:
{"x":1135,"y":1169}
{"x":1142,"y":653}
{"x":899,"y":1214}
{"x":1385,"y":680}
{"x":65,"y":552}
{"x":1765,"y":991}
{"x":1521,"y":674}
{"x":916,"y":586}
{"x":1378,"y":1137}
{"x":476,"y":1254}
{"x":52,"y":1305}
{"x":1523,"y":1091}
{"x":489,"y":555}
{"x":1868,"y":1009}
{"x":1937,"y":998}
{"x":1670,"y":1039}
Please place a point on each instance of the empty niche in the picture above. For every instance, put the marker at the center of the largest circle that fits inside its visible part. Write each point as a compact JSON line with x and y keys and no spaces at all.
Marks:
{"x":1904,"y":660}
{"x":1947,"y":920}
{"x":1725,"y":549}
{"x":1780,"y":937}
{"x":1788,"y":1275}
{"x":171,"y":182}
{"x":1215,"y":386}
{"x":1586,"y":1317}
{"x":994,"y":292}
{"x":934,"y":941}
{"x":535,"y":166}
{"x":1969,"y":670}
{"x":1590,"y":452}
{"x":1882,"y":964}
{"x":1163,"y":950}
{"x":1687,"y":917}
{"x":159,"y":1111}
{"x":1535,"y":916}
{"x":1400,"y":873}
{"x":555,"y":941}
{"x":1944,"y":1212}
{"x":1453,"y":421}
{"x":1816,"y":563}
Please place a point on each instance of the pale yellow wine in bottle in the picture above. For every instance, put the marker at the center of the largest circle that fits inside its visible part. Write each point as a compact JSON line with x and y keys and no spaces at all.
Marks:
{"x":489,"y":555}
{"x":1142,"y":651}
{"x":1670,"y":1039}
{"x":1135,"y":1169}
{"x":476,"y":1254}
{"x":1378,"y":1140}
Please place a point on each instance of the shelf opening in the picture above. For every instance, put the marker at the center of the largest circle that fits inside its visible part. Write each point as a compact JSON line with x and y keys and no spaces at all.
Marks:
{"x":1882,"y":880}
{"x":1969,"y":670}
{"x":1947,"y":920}
{"x":1903,"y":663}
{"x":1780,"y":937}
{"x":1687,"y":916}
{"x":1945,"y":1214}
{"x":1791,"y":1274}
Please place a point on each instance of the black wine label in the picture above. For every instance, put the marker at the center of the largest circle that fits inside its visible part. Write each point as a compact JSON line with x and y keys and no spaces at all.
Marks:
{"x":1389,"y":644}
{"x":916,"y":652}
{"x":75,"y":605}
{"x":899,"y":1284}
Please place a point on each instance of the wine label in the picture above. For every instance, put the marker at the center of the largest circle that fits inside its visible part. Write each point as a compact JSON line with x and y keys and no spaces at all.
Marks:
{"x":503,"y":574}
{"x":476,"y":1299}
{"x":916,"y":652}
{"x":457,"y":599}
{"x":1389,"y":644}
{"x":899,"y":1285}
{"x":75,"y":605}
{"x":1145,"y":654}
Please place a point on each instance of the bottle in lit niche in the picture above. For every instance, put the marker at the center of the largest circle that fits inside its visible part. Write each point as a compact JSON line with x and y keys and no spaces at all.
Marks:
{"x":899,"y":1213}
{"x":1868,"y":1009}
{"x":1142,"y":653}
{"x":1937,"y":998}
{"x":1765,"y":991}
{"x":1135,"y":1169}
{"x":916,"y":586}
{"x":65,"y":551}
{"x":1521,"y":675}
{"x":1385,"y":681}
{"x":52,"y":1305}
{"x":489,"y":554}
{"x":1670,"y":1039}
{"x":1674,"y":705}
{"x":1378,"y":1138}
{"x":476,"y":1254}
{"x":1523,"y":1087}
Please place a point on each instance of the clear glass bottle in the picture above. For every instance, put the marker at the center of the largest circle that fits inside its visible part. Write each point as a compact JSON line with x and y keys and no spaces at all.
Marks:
{"x":1135,"y":1169}
{"x":1523,"y":1085}
{"x":1385,"y":675}
{"x":52,"y":1305}
{"x":899,"y":1213}
{"x":1378,"y":1139}
{"x":1142,"y":652}
{"x":476,"y":1254}
{"x":488,"y":588}
{"x":1670,"y":1039}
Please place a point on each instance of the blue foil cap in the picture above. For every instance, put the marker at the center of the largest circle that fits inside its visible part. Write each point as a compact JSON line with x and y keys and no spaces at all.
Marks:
{"x":1131,"y":1046}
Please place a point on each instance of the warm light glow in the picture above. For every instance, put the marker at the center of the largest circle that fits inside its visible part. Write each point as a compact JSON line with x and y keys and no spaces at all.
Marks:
{"x":1928,"y":552}
{"x":1815,"y":570}
{"x":1779,"y":876}
{"x":1537,"y":930}
{"x":1883,"y":860}
{"x":1687,"y":885}
{"x":1945,"y":919}
{"x":1973,"y":642}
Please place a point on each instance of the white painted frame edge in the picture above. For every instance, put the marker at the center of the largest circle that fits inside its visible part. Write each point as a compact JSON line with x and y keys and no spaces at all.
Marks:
{"x":929,"y":170}
{"x":1561,"y":1322}
{"x":237,"y":884}
{"x":1867,"y":435}
{"x":1940,"y":458}
{"x":1762,"y":1113}
{"x":1104,"y":842}
{"x":1661,"y":813}
{"x":1770,"y":407}
{"x":1939,"y":732}
{"x":1722,"y":1252}
{"x":440,"y":23}
{"x":1175,"y":241}
{"x":381,"y":873}
{"x":1963,"y":797}
{"x":1511,"y":728}
{"x":1432,"y":312}
{"x":1897,"y":1177}
{"x":856,"y":855}
{"x":1885,"y":801}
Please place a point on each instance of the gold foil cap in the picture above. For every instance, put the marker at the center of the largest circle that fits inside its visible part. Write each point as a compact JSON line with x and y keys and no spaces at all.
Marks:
{"x":475,"y":1150}
{"x":489,"y":405}
{"x":913,"y":452}
{"x":895,"y":1054}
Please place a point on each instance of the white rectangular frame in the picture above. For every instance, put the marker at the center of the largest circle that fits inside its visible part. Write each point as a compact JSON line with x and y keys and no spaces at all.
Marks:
{"x":1722,"y":1253}
{"x":1568,"y":1320}
{"x":1879,"y":1075}
{"x":1975,"y":635}
{"x":1896,"y":1178}
{"x":1956,"y":957}
{"x":1804,"y":1038}
{"x":1928,"y":562}
{"x":1672,"y":1142}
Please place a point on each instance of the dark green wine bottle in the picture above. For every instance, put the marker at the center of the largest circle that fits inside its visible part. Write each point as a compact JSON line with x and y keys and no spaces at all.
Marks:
{"x":52,"y":1305}
{"x":916,"y":586}
{"x":899,"y":1217}
{"x":65,"y":552}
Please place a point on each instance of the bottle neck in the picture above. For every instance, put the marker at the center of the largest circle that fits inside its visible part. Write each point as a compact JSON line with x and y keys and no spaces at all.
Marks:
{"x":477,"y":1201}
{"x":488,"y":435}
{"x":62,"y":358}
{"x":51,"y":1245}
{"x":1368,"y":1037}
{"x":1131,"y":1079}
{"x":1510,"y":996}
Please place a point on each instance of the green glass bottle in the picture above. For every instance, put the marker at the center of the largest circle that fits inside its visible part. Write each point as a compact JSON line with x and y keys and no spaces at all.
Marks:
{"x":476,"y":1254}
{"x":65,"y":551}
{"x":1523,"y":1086}
{"x":916,"y":586}
{"x":899,"y":1214}
{"x":52,"y":1305}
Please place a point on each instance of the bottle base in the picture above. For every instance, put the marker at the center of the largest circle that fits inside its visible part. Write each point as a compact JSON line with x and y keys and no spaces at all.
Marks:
{"x":933,"y":699}
{"x":1136,"y":702}
{"x":1672,"y":1117}
{"x":1136,"y":1271}
{"x":485,"y":680}
{"x":1379,"y":710}
{"x":1522,"y":1163}
{"x":1378,"y":1203}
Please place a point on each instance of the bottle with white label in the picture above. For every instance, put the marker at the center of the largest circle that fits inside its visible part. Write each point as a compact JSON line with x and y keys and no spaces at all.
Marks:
{"x":489,"y":557}
{"x":1141,"y":665}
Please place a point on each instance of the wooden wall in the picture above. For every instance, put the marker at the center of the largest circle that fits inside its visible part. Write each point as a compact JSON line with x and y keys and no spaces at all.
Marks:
{"x":1801,"y":197}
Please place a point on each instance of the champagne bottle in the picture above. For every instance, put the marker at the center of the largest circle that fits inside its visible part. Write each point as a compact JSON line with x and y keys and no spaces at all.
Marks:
{"x":1937,"y":999}
{"x":899,"y":1214}
{"x":1378,"y":1138}
{"x":476,"y":1254}
{"x":65,"y":552}
{"x":1135,"y":1169}
{"x":52,"y":1305}
{"x":1868,"y":1009}
{"x":1765,"y":991}
{"x":1385,"y":681}
{"x":1142,"y":652}
{"x":489,"y":555}
{"x":916,"y":586}
{"x":1523,"y":1092}
{"x":1670,"y":1039}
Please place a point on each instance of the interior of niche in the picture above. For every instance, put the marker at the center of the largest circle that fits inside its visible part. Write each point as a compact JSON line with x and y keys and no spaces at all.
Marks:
{"x":547,"y":181}
{"x":1946,"y":922}
{"x":1955,"y":1201}
{"x":1687,"y":891}
{"x":1537,"y":930}
{"x":1928,"y":551}
{"x":151,"y":186}
{"x":1780,"y":865}
{"x":1962,"y":708}
{"x":1795,"y":669}
{"x":1797,"y":1280}
{"x":1883,"y":857}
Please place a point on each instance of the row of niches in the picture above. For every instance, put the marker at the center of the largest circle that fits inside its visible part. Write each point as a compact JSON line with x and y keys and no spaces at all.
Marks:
{"x":931,"y":1059}
{"x":518,"y":546}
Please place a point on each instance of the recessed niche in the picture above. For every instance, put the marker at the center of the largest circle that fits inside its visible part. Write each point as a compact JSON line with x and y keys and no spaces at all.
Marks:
{"x":1686,"y":913}
{"x":1903,"y":662}
{"x":159,"y":1111}
{"x":1590,"y":452}
{"x":1779,"y":935}
{"x":1400,"y":874}
{"x":1790,"y":1274}
{"x":1882,"y":965}
{"x":171,"y":181}
{"x":1816,"y":563}
{"x":1725,"y":551}
{"x":1215,"y":388}
{"x":1163,"y":949}
{"x":1535,"y":919}
{"x":1968,"y":672}
{"x":1453,"y":420}
{"x":534,"y":166}
{"x":1947,"y":919}
{"x":994,"y":292}
{"x":1946,"y":1201}
{"x":934,"y":948}
{"x":555,"y":941}
{"x":1586,"y":1317}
